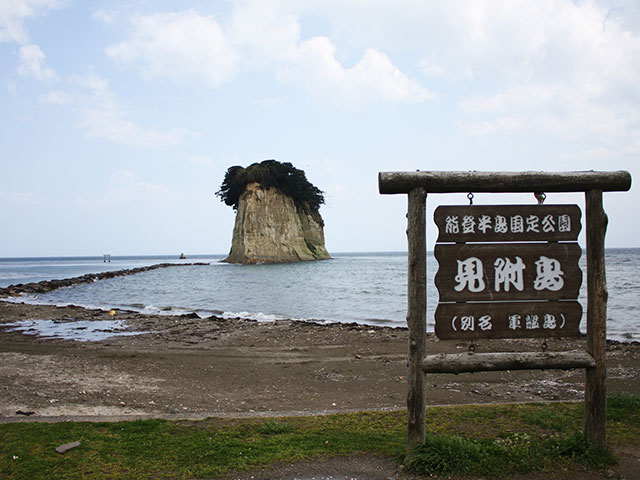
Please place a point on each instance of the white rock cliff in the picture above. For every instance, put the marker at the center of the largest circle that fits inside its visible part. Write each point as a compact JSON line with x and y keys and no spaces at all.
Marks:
{"x":270,"y":228}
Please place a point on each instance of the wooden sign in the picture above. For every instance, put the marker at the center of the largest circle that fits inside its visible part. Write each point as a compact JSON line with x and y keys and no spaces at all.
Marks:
{"x":494,"y":285}
{"x":508,"y":320}
{"x":507,"y":223}
{"x":503,"y":226}
{"x":513,"y":271}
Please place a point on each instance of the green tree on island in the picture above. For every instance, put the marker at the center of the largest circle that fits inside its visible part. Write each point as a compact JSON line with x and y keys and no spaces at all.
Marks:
{"x":271,"y":173}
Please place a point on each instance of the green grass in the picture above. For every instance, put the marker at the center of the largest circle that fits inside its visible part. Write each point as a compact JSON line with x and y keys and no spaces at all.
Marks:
{"x":497,"y":440}
{"x":511,"y":454}
{"x":623,"y":407}
{"x":275,"y":427}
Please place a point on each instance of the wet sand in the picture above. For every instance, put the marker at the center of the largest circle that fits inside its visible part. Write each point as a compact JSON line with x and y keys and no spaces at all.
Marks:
{"x":188,"y":367}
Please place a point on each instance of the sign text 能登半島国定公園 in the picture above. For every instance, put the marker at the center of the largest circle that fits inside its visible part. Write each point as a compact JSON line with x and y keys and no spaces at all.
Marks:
{"x":508,"y":223}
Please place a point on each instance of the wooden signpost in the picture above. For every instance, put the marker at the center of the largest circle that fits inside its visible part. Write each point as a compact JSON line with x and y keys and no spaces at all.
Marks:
{"x":507,"y":271}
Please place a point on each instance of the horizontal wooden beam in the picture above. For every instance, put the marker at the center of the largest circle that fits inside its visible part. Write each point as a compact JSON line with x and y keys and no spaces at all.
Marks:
{"x":502,"y":182}
{"x":484,"y":362}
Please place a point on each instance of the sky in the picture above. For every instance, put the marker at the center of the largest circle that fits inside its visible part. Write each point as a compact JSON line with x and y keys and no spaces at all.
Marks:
{"x":118,"y":119}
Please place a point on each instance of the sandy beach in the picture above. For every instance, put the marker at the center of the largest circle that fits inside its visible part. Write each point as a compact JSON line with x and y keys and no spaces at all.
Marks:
{"x":189,"y":367}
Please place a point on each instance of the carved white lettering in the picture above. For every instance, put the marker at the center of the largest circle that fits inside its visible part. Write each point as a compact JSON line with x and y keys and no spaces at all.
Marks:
{"x":548,"y":274}
{"x":509,"y":273}
{"x":451,"y":224}
{"x":470,"y":275}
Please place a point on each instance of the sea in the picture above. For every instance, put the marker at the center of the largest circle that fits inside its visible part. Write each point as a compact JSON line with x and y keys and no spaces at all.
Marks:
{"x":365,"y":288}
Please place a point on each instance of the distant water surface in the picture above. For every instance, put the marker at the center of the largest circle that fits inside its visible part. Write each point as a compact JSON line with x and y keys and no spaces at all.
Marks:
{"x":367,"y":288}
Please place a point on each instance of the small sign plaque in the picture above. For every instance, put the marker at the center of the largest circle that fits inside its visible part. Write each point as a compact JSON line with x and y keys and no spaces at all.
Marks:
{"x":508,"y":223}
{"x":508,"y":320}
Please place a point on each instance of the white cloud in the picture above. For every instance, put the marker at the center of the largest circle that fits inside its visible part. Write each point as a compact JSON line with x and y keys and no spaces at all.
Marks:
{"x":56,"y":97}
{"x":105,"y":120}
{"x":431,"y":69}
{"x":591,"y":89}
{"x":625,"y":12}
{"x":315,"y":68}
{"x":103,"y":116}
{"x":104,"y":16}
{"x":31,"y":63}
{"x":14,"y":13}
{"x":125,"y":188}
{"x":266,"y":33}
{"x":270,"y":36}
{"x":567,"y":68}
{"x":259,"y":36}
{"x":180,"y":46}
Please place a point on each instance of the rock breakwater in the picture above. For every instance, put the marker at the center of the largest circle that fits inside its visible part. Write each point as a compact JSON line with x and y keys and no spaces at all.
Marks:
{"x":49,"y":285}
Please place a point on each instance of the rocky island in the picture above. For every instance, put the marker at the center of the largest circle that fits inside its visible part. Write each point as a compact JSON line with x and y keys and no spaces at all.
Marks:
{"x":277,"y":214}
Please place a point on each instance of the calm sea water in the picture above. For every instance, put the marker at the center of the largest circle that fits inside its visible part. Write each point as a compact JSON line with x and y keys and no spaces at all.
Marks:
{"x":367,"y":288}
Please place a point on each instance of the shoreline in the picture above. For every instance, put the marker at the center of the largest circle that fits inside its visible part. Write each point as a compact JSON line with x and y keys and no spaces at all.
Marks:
{"x":184,"y":366}
{"x":187,"y":366}
{"x":14,"y":292}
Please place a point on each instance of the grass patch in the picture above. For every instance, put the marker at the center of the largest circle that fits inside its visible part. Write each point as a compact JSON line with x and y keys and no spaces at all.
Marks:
{"x":623,"y":418}
{"x":556,"y":420}
{"x":497,"y":440}
{"x":623,"y":407}
{"x":274,"y":427}
{"x":513,"y":454}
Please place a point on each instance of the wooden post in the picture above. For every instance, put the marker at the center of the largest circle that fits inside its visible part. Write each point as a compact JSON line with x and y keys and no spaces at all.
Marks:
{"x":417,"y":317}
{"x":595,"y":389}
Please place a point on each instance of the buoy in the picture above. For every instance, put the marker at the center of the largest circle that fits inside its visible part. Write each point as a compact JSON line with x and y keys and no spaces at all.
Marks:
{"x":112,"y":313}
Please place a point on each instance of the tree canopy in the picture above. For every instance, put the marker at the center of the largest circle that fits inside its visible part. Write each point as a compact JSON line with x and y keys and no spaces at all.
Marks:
{"x":271,"y":173}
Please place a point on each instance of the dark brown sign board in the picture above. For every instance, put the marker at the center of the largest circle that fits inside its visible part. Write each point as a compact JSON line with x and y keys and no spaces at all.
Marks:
{"x":508,"y":272}
{"x":471,"y":321}
{"x":508,"y":223}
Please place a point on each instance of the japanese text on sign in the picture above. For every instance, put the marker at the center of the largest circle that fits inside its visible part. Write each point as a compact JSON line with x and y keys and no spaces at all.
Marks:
{"x":513,"y":224}
{"x":473,"y":272}
{"x":509,"y":273}
{"x":508,"y":319}
{"x":494,"y":282}
{"x":507,"y":223}
{"x":515,"y":321}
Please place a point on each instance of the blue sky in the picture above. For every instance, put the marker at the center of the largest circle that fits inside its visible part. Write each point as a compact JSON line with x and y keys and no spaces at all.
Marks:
{"x":119,"y":119}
